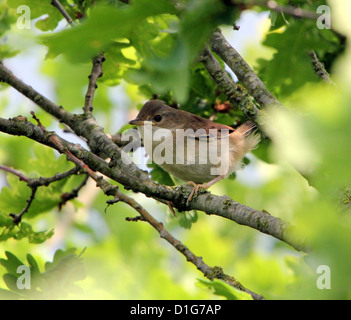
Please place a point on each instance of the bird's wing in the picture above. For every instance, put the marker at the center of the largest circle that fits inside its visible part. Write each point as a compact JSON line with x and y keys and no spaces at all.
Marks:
{"x":203,"y":129}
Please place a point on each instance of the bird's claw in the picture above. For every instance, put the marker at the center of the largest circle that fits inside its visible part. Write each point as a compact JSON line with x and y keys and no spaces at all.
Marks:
{"x":194,"y":191}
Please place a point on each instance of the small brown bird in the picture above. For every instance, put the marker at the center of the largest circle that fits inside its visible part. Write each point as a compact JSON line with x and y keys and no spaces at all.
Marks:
{"x":192,"y":148}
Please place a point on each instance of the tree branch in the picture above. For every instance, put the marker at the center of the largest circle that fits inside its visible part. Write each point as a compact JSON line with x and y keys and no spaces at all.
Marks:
{"x":222,"y":206}
{"x":96,"y":73}
{"x":73,"y":194}
{"x":319,"y":68}
{"x":20,"y":175}
{"x":82,"y":125}
{"x":290,"y":10}
{"x":109,"y":189}
{"x":34,"y":184}
{"x":58,"y":5}
{"x":42,"y":181}
{"x":18,"y":217}
{"x":128,"y":174}
{"x":209,"y":272}
{"x":237,"y":95}
{"x":242,"y":70}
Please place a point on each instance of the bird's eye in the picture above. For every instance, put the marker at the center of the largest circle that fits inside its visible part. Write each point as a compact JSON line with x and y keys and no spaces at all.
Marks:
{"x":157,"y":118}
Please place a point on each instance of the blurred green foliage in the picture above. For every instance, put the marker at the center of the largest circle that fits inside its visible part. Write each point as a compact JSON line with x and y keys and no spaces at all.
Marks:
{"x":57,"y":280}
{"x":301,"y":176}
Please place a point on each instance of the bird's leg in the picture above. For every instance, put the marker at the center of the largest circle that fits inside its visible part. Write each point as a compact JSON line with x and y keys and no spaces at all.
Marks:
{"x":205,"y":186}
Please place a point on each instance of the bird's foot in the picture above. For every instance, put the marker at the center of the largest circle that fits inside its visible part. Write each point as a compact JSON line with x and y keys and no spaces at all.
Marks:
{"x":204,"y":186}
{"x":195,"y":190}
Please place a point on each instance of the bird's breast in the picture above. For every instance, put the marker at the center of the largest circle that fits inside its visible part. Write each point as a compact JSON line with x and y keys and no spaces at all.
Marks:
{"x":189,"y":157}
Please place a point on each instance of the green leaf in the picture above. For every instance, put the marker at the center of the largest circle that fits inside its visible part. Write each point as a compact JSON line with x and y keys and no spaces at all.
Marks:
{"x":7,"y":52}
{"x":222,"y":289}
{"x":11,"y":263}
{"x":187,"y":218}
{"x":160,"y":175}
{"x":8,"y":295}
{"x":116,"y":63}
{"x":57,"y":281}
{"x":26,"y":231}
{"x":33,"y":264}
{"x":5,"y":220}
{"x":58,"y":258}
{"x":171,"y":72}
{"x":6,"y":19}
{"x":105,"y":24}
{"x":65,"y":269}
{"x":46,"y":163}
{"x":14,"y":198}
{"x":292,"y":46}
{"x":11,"y":281}
{"x":50,"y":15}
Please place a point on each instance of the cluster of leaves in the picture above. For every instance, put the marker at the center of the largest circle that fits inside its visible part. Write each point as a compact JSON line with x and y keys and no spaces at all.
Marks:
{"x":292,"y":39}
{"x":28,"y":282}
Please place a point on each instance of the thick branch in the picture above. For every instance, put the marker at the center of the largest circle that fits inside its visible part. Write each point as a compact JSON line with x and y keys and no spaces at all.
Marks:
{"x":242,"y":70}
{"x":84,"y":126}
{"x":109,"y":189}
{"x":128,"y":174}
{"x":206,"y":202}
{"x":43,"y":102}
{"x":237,"y":95}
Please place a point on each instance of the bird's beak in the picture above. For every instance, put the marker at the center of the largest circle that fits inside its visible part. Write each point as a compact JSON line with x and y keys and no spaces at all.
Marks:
{"x":139,"y":122}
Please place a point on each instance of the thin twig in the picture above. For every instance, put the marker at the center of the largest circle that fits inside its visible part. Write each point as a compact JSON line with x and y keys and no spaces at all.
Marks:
{"x":35,"y":183}
{"x":56,"y":141}
{"x":319,"y":68}
{"x":292,"y":11}
{"x":73,"y":194}
{"x":58,"y":5}
{"x":209,"y":272}
{"x":96,"y":72}
{"x":18,"y":217}
{"x":274,"y":6}
{"x":20,"y":175}
{"x":42,"y":181}
{"x":87,"y":127}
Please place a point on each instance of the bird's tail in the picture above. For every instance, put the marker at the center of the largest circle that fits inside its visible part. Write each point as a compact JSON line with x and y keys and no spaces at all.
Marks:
{"x":248,"y":131}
